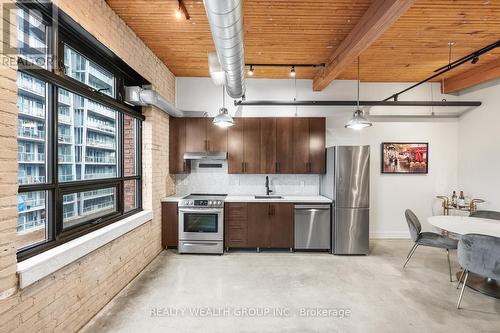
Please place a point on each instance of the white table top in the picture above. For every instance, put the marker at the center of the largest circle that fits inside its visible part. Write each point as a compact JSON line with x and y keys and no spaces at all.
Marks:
{"x":462,"y":225}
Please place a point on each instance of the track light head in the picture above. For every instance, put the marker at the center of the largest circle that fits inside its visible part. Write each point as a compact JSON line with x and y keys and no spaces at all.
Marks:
{"x":181,"y":11}
{"x":474,"y":60}
{"x":292,"y":72}
{"x":250,"y":71}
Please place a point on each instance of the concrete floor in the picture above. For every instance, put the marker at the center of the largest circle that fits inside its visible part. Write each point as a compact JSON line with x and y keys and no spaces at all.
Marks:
{"x":271,"y":292}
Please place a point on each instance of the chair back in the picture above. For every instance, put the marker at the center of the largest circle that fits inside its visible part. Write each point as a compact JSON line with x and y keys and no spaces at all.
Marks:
{"x":413,"y":224}
{"x":480,"y":254}
{"x":486,"y":214}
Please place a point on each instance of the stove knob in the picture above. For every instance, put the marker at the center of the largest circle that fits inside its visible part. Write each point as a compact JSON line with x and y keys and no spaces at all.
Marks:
{"x":210,"y":203}
{"x":219,"y":202}
{"x":184,"y":202}
{"x":190,"y":203}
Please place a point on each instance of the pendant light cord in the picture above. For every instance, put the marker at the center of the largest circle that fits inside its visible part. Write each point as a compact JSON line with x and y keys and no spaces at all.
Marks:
{"x":223,"y":97}
{"x":358,"y":84}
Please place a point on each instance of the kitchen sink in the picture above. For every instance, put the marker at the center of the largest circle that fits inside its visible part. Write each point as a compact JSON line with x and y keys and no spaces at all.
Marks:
{"x":268,"y":197}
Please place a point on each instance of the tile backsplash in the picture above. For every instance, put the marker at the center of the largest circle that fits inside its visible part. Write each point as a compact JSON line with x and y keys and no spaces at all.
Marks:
{"x":217,"y":180}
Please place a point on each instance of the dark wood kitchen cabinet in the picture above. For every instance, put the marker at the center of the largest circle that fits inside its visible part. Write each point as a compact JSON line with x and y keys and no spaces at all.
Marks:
{"x":270,"y":225}
{"x":284,"y":145}
{"x":169,"y":224}
{"x":177,"y":142}
{"x":193,"y":135}
{"x":309,"y":152}
{"x":268,"y":146}
{"x":216,"y":140}
{"x":244,"y":146}
{"x":317,"y":144}
{"x":203,"y":136}
{"x":258,"y":225}
{"x":235,"y":225}
{"x":300,"y":145}
{"x":196,"y":134}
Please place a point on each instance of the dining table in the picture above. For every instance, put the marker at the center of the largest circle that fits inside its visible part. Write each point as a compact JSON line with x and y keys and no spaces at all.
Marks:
{"x":456,"y":226}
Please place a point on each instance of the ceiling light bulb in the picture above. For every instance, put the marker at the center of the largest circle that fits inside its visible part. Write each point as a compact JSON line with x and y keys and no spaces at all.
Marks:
{"x":292,"y":72}
{"x":250,"y":71}
{"x":178,"y":13}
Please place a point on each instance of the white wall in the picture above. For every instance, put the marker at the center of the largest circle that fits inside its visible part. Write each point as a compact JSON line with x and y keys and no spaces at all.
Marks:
{"x":479,"y":146}
{"x":390,"y":194}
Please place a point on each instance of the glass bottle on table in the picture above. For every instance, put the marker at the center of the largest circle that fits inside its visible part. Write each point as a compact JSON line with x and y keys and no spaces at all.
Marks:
{"x":461,"y":199}
{"x":454,"y":199}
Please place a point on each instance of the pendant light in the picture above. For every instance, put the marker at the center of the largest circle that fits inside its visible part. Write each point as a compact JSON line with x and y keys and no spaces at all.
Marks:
{"x":358,"y":120}
{"x":223,"y":119}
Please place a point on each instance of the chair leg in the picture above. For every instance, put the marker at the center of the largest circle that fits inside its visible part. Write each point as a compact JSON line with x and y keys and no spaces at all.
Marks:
{"x":461,"y":277}
{"x":449,"y":265}
{"x":410,"y":254}
{"x":463,"y":289}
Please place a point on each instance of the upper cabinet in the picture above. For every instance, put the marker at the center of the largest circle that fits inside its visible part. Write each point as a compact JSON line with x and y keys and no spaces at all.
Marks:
{"x":309,"y":141}
{"x":244,"y":146}
{"x":177,"y":140}
{"x":203,"y":136}
{"x":254,"y":145}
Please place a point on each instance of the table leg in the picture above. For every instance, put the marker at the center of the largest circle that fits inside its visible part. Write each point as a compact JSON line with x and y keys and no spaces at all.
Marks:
{"x":483,"y":285}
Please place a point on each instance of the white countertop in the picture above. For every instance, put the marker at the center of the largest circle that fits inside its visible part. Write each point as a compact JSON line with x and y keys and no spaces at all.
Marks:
{"x":251,"y":198}
{"x":286,"y":198}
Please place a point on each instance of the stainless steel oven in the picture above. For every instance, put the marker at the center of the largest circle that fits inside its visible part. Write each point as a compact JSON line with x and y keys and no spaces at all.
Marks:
{"x":201,"y":224}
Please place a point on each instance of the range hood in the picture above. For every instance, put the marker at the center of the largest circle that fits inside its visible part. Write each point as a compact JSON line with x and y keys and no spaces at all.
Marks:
{"x":205,"y":156}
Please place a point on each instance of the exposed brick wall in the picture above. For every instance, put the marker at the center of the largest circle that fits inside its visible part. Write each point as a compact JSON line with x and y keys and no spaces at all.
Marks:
{"x":67,"y":299}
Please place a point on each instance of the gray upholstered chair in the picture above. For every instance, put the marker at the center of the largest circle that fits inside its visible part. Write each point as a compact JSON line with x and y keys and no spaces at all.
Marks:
{"x":486,"y":214}
{"x":479,"y":254}
{"x":430,"y":239}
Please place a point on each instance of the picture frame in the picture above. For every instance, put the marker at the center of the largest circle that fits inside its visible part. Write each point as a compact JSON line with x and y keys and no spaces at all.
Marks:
{"x":405,"y":158}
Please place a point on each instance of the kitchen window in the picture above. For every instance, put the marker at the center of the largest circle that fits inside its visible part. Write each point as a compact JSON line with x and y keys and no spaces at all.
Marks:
{"x":79,"y":144}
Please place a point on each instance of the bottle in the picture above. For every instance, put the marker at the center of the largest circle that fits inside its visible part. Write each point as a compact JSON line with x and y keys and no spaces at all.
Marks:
{"x":461,"y":199}
{"x":454,"y":199}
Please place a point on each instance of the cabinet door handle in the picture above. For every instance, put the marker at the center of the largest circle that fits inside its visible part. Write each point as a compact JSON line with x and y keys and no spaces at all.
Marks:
{"x":277,"y":167}
{"x":242,"y":166}
{"x":206,"y":145}
{"x":184,"y":166}
{"x":269,"y":210}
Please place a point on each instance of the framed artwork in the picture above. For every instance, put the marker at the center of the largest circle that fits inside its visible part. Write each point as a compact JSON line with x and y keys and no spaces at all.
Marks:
{"x":405,"y":157}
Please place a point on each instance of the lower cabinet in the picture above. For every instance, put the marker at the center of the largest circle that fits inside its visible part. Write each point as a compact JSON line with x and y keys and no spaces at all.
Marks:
{"x":169,"y":224}
{"x":259,"y":225}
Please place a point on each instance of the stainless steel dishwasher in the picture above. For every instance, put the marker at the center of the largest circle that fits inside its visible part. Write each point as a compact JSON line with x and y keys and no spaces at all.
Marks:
{"x":312,"y":227}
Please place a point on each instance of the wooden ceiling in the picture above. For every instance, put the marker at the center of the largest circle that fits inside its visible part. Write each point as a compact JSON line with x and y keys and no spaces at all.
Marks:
{"x":292,"y":31}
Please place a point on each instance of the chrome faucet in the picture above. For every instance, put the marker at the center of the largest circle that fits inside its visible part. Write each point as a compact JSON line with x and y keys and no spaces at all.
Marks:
{"x":267,"y":186}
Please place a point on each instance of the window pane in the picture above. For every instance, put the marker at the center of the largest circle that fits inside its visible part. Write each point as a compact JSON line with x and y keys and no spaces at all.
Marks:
{"x":130,"y":189}
{"x":31,"y":130}
{"x":31,"y":38}
{"x":80,"y":68}
{"x":87,"y":139}
{"x":130,"y":145}
{"x":81,"y":207}
{"x":31,"y":221}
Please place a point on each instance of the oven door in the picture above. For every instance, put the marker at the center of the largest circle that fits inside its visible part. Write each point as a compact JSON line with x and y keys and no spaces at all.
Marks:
{"x":201,"y":224}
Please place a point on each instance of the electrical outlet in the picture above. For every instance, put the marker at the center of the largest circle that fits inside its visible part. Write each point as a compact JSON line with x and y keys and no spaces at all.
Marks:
{"x":302,"y":183}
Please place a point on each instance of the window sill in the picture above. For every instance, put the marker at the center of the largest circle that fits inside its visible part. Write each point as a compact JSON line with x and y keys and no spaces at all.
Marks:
{"x":46,"y":263}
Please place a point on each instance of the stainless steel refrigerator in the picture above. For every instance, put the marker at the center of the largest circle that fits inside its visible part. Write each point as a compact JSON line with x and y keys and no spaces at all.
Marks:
{"x":347,"y":183}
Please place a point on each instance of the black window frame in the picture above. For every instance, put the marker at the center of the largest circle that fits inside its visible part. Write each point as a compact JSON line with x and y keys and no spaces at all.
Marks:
{"x":68,"y":32}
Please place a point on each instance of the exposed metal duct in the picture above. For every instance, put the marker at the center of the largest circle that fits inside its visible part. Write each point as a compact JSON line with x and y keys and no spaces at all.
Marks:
{"x":226,"y":23}
{"x":139,"y":96}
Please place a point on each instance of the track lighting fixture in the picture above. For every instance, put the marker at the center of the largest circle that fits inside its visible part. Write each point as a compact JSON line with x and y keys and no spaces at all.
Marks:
{"x":474,"y":60}
{"x":250,"y":71}
{"x":292,"y":72}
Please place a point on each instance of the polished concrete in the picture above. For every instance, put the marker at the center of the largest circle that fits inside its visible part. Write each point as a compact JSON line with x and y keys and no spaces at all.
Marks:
{"x":281,"y":292}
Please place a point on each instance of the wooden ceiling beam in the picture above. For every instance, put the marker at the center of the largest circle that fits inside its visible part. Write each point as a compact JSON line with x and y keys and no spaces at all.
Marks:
{"x":377,"y":19}
{"x":480,"y":73}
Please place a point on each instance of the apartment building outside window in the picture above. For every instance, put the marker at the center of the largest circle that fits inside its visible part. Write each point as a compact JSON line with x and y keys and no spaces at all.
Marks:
{"x":78,"y":143}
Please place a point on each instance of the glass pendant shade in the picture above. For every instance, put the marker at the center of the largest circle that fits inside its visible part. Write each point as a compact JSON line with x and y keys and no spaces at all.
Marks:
{"x":358,"y":121}
{"x":223,"y":119}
